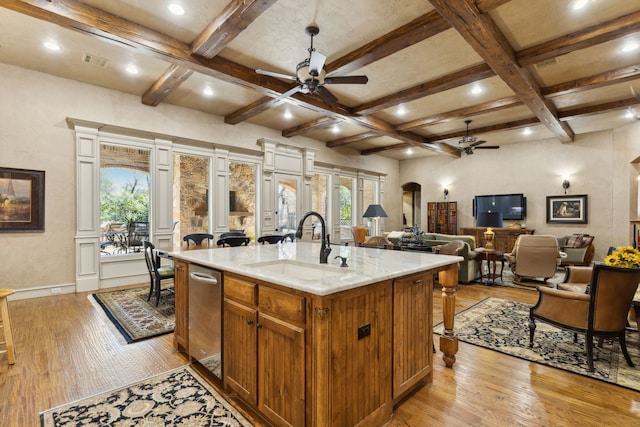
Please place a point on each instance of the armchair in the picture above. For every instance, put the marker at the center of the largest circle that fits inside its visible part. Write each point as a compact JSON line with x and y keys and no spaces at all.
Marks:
{"x":578,"y":247}
{"x":600,"y":313}
{"x":534,"y":257}
{"x":379,"y":242}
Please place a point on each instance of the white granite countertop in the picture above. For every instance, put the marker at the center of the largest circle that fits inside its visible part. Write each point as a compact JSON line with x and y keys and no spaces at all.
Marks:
{"x":297,"y":265}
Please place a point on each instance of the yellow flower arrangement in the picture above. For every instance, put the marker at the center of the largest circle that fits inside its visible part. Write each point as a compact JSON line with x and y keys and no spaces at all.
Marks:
{"x":625,"y":257}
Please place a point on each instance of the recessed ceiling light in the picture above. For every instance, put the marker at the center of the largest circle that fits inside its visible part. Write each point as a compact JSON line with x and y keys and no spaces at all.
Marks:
{"x":132,"y":69}
{"x":401,"y":110}
{"x":409,"y":151}
{"x":579,"y":4}
{"x":335,"y":129}
{"x":53,"y":46}
{"x":526,"y":131}
{"x":207,"y":91}
{"x":476,"y":89}
{"x":287,"y":115}
{"x":630,"y":46}
{"x":176,"y":9}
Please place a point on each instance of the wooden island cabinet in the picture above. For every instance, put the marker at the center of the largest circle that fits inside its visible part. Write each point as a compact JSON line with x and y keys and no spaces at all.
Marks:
{"x":321,"y":353}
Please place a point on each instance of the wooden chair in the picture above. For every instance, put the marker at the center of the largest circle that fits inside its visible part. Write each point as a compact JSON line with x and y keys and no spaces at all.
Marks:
{"x":157,"y":273}
{"x":233,"y":241}
{"x":198,"y":238}
{"x":600,"y":313}
{"x":359,"y":235}
{"x":272,"y":239}
{"x":289,"y":237}
{"x":379,"y":242}
{"x":232,"y":234}
{"x":6,"y":338}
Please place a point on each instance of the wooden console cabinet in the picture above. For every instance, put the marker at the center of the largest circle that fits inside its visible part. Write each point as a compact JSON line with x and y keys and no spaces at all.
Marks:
{"x":503,"y":240}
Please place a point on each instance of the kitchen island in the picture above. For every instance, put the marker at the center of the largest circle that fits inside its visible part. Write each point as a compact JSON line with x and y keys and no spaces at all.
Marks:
{"x":310,"y":344}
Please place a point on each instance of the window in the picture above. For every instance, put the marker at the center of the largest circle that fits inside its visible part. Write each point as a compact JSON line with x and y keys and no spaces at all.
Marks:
{"x":346,"y":204}
{"x":124,"y":198}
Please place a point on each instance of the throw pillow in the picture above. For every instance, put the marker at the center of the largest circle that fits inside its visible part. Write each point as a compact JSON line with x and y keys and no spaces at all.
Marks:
{"x":574,"y":241}
{"x":586,"y":240}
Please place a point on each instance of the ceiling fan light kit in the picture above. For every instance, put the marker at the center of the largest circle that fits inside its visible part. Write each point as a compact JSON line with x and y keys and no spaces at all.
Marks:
{"x":312,"y":75}
{"x":469,"y":143}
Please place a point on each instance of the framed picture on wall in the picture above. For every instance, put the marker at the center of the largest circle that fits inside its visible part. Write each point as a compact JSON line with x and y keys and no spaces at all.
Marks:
{"x":21,"y":200}
{"x":567,"y":209}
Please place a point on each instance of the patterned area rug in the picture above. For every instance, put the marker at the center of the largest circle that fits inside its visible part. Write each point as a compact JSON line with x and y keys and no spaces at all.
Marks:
{"x":176,"y":398}
{"x":135,"y":317}
{"x":503,"y":326}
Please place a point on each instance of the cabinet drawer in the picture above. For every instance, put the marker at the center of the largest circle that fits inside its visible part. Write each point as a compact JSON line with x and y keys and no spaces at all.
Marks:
{"x":240,"y":290}
{"x":282,"y":304}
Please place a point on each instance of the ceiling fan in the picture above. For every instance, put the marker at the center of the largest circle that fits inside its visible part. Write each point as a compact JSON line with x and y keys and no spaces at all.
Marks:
{"x":311,"y":74}
{"x":469,"y":143}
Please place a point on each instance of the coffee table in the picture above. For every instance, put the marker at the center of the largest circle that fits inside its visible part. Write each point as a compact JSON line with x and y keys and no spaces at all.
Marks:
{"x":491,"y":258}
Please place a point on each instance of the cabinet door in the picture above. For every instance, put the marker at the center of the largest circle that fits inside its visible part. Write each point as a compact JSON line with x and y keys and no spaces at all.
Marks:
{"x":281,"y":367}
{"x":181,"y":331}
{"x":412,"y":332}
{"x":240,"y":348}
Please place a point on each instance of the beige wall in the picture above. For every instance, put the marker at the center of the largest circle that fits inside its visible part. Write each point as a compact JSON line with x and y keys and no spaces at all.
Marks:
{"x":34,"y":135}
{"x":598,"y":164}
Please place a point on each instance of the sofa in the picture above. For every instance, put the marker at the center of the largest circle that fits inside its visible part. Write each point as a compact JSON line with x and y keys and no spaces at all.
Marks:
{"x":469,"y":268}
{"x":578,"y":247}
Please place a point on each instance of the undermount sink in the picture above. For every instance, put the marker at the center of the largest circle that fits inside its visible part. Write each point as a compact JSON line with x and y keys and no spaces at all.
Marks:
{"x":298,"y":269}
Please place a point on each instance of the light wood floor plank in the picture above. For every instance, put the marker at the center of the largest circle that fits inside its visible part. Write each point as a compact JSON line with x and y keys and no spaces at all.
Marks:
{"x":66,"y":350}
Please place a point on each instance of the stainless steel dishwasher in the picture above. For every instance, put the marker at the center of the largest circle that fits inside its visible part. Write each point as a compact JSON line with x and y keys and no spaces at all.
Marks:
{"x":205,"y":317}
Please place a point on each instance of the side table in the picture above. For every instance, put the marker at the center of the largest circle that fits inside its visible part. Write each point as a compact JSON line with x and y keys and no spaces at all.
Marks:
{"x":491,"y":257}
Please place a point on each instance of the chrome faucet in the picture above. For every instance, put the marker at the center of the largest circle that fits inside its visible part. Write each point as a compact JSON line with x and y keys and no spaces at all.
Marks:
{"x":325,"y":249}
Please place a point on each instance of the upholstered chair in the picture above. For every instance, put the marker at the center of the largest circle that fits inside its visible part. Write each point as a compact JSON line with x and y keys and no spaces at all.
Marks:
{"x":454,"y":247}
{"x":535,"y":258}
{"x":577,"y":279}
{"x":600,"y":313}
{"x":359,"y":235}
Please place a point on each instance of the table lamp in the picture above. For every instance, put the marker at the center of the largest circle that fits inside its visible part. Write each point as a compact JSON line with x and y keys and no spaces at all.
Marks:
{"x":374,"y":211}
{"x":490,"y":220}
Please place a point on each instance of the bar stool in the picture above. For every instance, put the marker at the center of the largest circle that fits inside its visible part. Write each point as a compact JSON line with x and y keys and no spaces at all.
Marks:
{"x":5,"y":324}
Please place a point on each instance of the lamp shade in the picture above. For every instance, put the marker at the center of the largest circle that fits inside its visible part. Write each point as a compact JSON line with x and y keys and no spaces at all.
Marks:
{"x":374,"y":211}
{"x":489,"y":219}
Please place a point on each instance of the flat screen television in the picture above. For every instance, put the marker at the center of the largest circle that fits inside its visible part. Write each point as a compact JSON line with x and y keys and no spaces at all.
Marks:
{"x":512,"y":206}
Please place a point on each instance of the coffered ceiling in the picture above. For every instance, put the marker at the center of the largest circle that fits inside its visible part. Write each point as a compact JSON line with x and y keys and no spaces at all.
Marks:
{"x":521,"y":70}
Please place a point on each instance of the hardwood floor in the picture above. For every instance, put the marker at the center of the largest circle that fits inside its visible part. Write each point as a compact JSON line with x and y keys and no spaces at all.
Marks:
{"x":66,"y":350}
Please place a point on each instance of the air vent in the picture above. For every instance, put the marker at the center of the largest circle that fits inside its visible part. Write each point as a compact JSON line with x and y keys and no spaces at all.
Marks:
{"x":95,"y":60}
{"x":547,"y":63}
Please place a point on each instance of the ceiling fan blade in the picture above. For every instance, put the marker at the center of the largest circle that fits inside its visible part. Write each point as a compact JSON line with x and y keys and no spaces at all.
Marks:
{"x":341,"y":80}
{"x":274,"y":74}
{"x":487,"y":147}
{"x":327,"y":96}
{"x":316,"y":63}
{"x":288,"y":93}
{"x":476,"y":143}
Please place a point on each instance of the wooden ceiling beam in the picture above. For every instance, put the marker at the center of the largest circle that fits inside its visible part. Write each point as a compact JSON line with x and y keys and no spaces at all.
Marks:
{"x":485,"y":38}
{"x":582,"y":39}
{"x":169,"y":81}
{"x":568,"y":114}
{"x":449,"y":81}
{"x":607,"y":78}
{"x":234,"y":19}
{"x":303,"y":128}
{"x":460,"y":113}
{"x":458,"y":134}
{"x":421,"y":28}
{"x":351,"y":139}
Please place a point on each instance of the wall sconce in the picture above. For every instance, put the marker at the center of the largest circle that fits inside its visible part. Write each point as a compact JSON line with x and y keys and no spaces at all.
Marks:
{"x":565,"y":185}
{"x":446,"y":193}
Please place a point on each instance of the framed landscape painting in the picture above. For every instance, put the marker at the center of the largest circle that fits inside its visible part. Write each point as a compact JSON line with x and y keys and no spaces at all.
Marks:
{"x":567,"y":209}
{"x":21,"y":200}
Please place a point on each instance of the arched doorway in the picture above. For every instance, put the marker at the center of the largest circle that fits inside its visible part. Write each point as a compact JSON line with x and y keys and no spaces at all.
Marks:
{"x":411,"y":201}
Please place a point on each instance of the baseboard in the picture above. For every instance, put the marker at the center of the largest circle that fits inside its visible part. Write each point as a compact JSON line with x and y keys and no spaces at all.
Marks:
{"x":43,"y":291}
